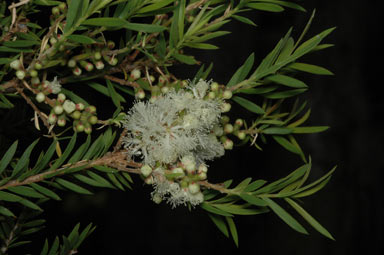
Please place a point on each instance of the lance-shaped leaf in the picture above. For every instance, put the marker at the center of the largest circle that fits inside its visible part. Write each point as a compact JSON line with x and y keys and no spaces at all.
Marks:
{"x":314,"y":69}
{"x":232,"y":228}
{"x":250,"y":106}
{"x":285,"y":216}
{"x":8,"y":156}
{"x":220,"y":223}
{"x":314,"y":223}
{"x":242,"y":72}
{"x":24,"y":159}
{"x":286,"y":81}
{"x":73,"y":187}
{"x":45,"y":191}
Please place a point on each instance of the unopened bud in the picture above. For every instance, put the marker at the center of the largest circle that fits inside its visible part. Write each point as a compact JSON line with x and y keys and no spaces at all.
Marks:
{"x":228,"y":128}
{"x":40,"y":97}
{"x":35,"y":80}
{"x":211,"y":95}
{"x":179,"y":171}
{"x":227,"y":94}
{"x":228,"y":144}
{"x":55,"y":11}
{"x":69,"y":106}
{"x":71,"y":63}
{"x":239,"y":122}
{"x":79,"y":127}
{"x":76,"y":115}
{"x":33,"y":73}
{"x":92,"y":120}
{"x":38,"y":66}
{"x":214,"y":86}
{"x":88,"y":130}
{"x":97,"y":55}
{"x":77,"y":71}
{"x":111,"y":44}
{"x":15,"y":64}
{"x":157,"y":198}
{"x":194,"y":188}
{"x":146,"y":170}
{"x":20,"y":74}
{"x":61,"y":121}
{"x":241,"y":135}
{"x":52,"y":118}
{"x":113,"y":61}
{"x":165,"y":90}
{"x":61,"y":97}
{"x":202,"y":176}
{"x":140,"y":94}
{"x":99,"y":65}
{"x":91,"y":109}
{"x":203,"y":168}
{"x":58,"y":109}
{"x":225,"y":107}
{"x":135,"y":74}
{"x":80,"y":106}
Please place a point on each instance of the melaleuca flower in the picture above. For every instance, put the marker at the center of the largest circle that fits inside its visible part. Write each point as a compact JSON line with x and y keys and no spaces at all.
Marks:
{"x":177,"y":124}
{"x":172,"y":192}
{"x":55,"y":86}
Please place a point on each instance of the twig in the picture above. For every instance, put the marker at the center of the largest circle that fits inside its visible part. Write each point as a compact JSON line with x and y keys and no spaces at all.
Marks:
{"x":122,"y":81}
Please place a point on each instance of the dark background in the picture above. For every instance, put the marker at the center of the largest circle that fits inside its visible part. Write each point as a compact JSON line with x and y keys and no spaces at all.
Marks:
{"x":350,"y":206}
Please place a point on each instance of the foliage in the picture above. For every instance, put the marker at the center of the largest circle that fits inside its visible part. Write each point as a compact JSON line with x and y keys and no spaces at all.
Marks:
{"x":125,"y":50}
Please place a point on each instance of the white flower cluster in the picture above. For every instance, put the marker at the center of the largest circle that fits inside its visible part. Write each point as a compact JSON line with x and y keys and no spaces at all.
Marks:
{"x":175,"y":131}
{"x":175,"y":125}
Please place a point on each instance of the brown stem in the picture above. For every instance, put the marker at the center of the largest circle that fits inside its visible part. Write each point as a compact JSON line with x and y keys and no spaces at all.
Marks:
{"x":122,"y":81}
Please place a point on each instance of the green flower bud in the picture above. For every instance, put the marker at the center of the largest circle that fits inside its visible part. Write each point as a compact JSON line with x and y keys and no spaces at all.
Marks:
{"x":58,"y":109}
{"x":52,"y":118}
{"x":76,"y":115}
{"x":33,"y":73}
{"x":61,"y":121}
{"x":228,"y":128}
{"x":214,"y":86}
{"x":178,"y":170}
{"x":20,"y":74}
{"x":157,"y":198}
{"x":62,"y":6}
{"x":146,"y":170}
{"x":80,"y":106}
{"x":227,"y":94}
{"x":56,"y":11}
{"x":15,"y":64}
{"x":224,"y":119}
{"x":203,"y":168}
{"x":211,"y":95}
{"x":71,"y":63}
{"x":135,"y":74}
{"x":228,"y":144}
{"x":165,"y":89}
{"x":225,"y":107}
{"x":35,"y":80}
{"x":99,"y":65}
{"x":140,"y":94}
{"x":202,"y":176}
{"x":92,"y":120}
{"x":61,"y":97}
{"x":91,"y":109}
{"x":194,"y":188}
{"x":113,"y":61}
{"x":239,"y":122}
{"x":38,"y":66}
{"x":53,"y":40}
{"x":241,"y":135}
{"x":79,"y":127}
{"x":88,"y":130}
{"x":77,"y":71}
{"x":40,"y":97}
{"x":111,"y":44}
{"x":97,"y":55}
{"x":69,"y":106}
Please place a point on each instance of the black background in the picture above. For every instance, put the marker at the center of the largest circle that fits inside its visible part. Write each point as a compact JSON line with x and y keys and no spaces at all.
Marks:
{"x":350,"y":206}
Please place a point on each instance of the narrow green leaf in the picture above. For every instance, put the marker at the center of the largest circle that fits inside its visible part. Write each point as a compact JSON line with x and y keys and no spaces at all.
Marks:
{"x":155,"y":6}
{"x":73,"y":187}
{"x":73,"y":14}
{"x":238,"y":210}
{"x":46,"y":158}
{"x":301,"y":120}
{"x":255,"y":91}
{"x":54,"y":247}
{"x":232,"y":228}
{"x":285,"y":94}
{"x":277,"y":131}
{"x":285,"y":216}
{"x":14,"y":50}
{"x":203,"y":46}
{"x":220,"y":223}
{"x":8,"y":156}
{"x":214,"y":210}
{"x":315,"y":189}
{"x":242,"y":72}
{"x":44,"y":251}
{"x":286,"y":144}
{"x":189,"y":60}
{"x":309,"y":130}
{"x":4,"y":61}
{"x":314,"y":223}
{"x":74,"y":235}
{"x":252,"y":199}
{"x":121,"y":23}
{"x":20,"y":43}
{"x":114,"y":180}
{"x":254,"y":185}
{"x":80,"y":151}
{"x":286,"y":80}
{"x":45,"y":191}
{"x":26,"y":192}
{"x":86,"y":232}
{"x":31,"y":205}
{"x":66,"y":153}
{"x":113,"y":94}
{"x":284,"y":3}
{"x":4,"y":211}
{"x":266,"y":7}
{"x":95,"y":147}
{"x":244,"y":20}
{"x":5,"y":196}
{"x":250,"y":106}
{"x":314,"y":69}
{"x":24,"y":159}
{"x":83,"y":39}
